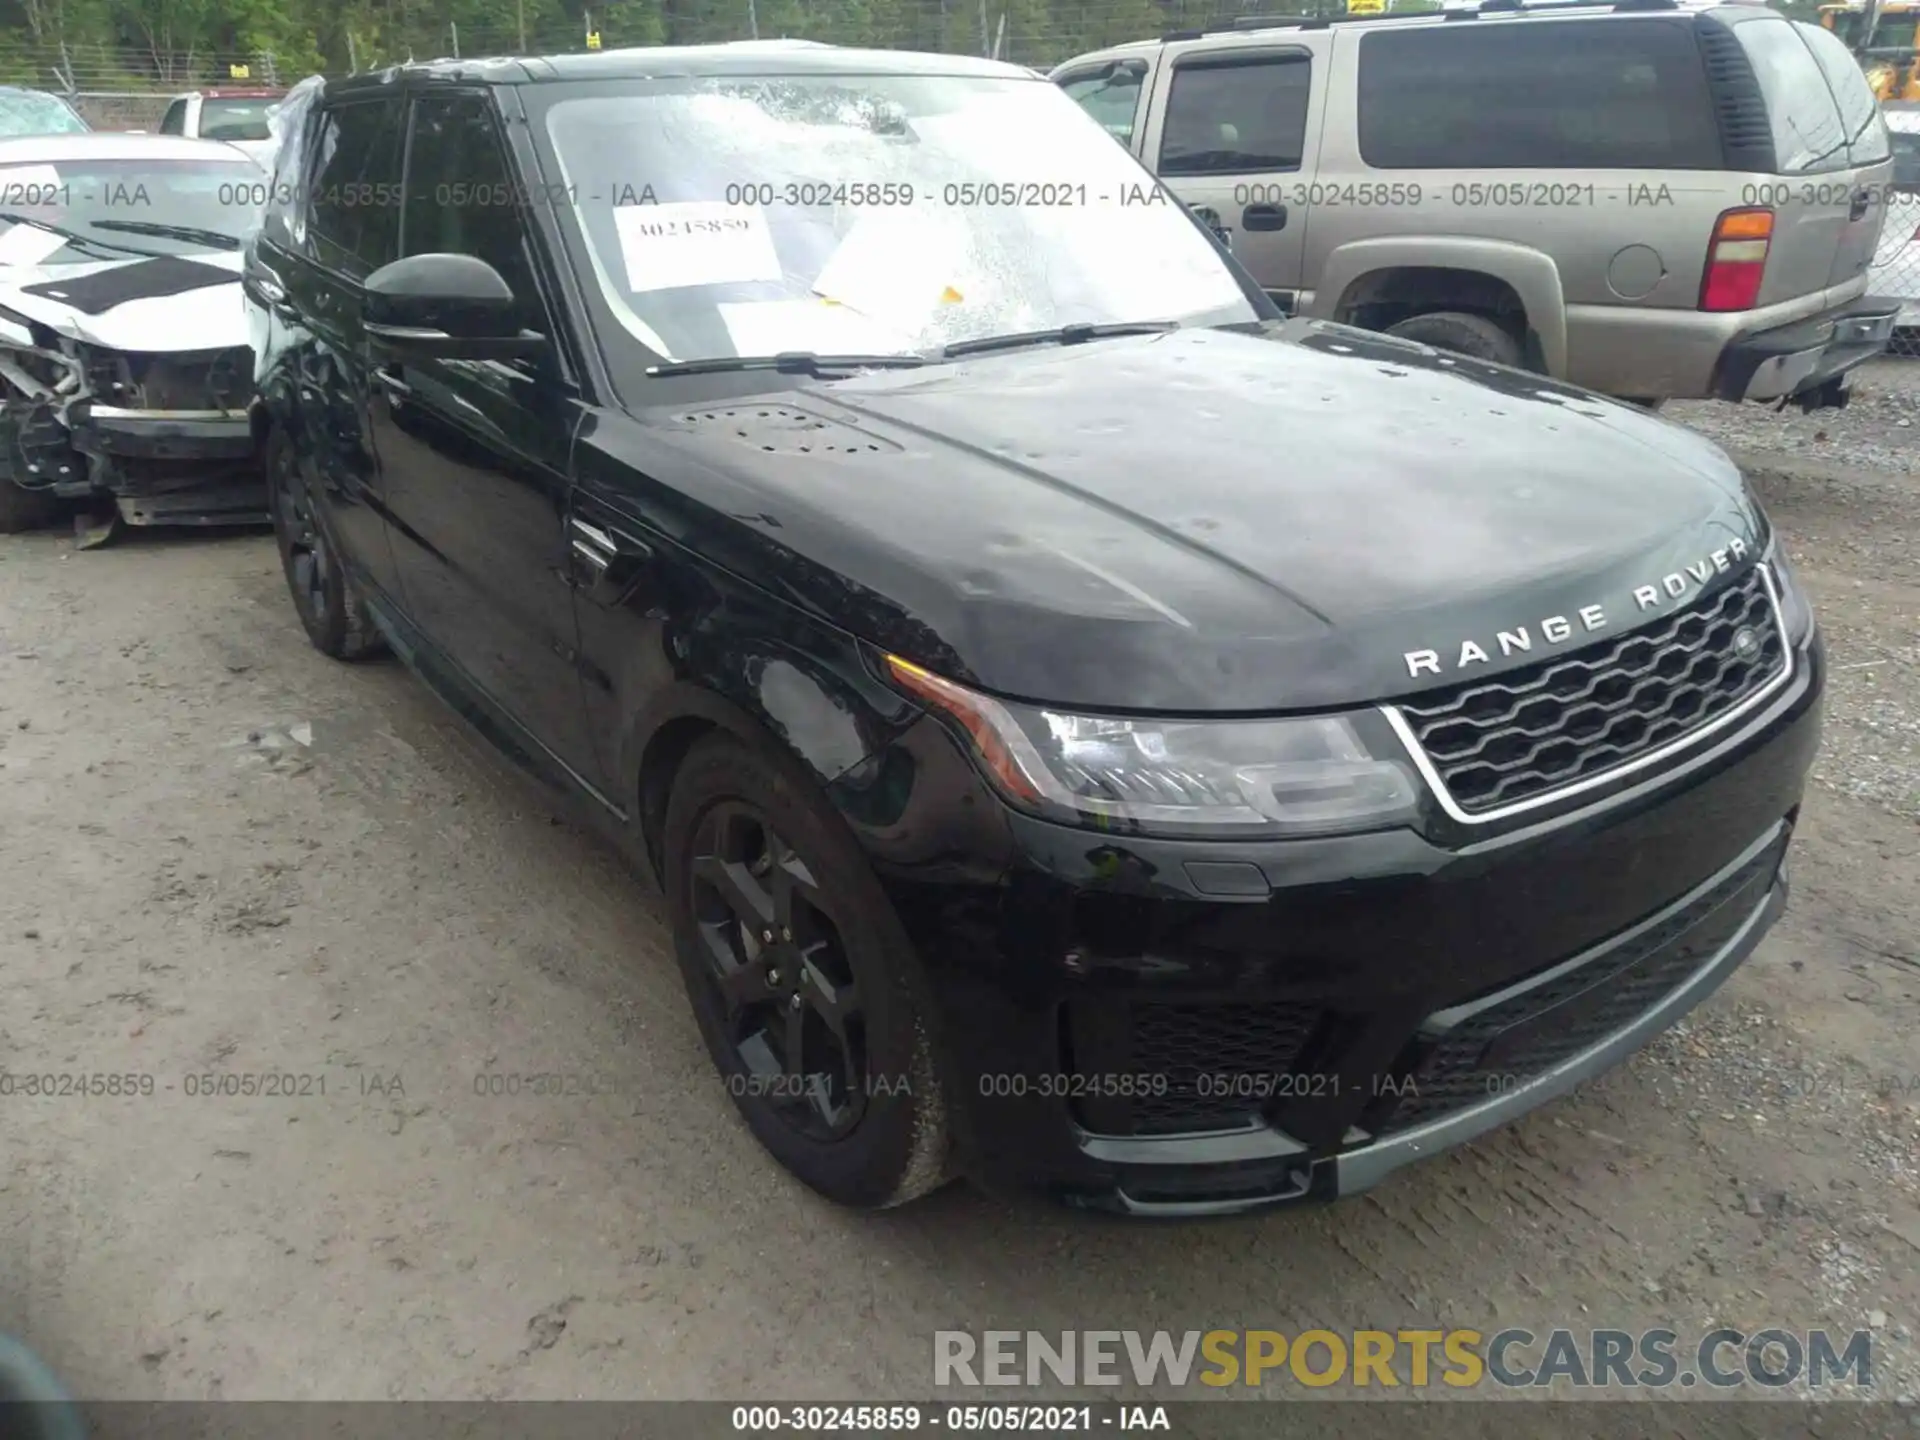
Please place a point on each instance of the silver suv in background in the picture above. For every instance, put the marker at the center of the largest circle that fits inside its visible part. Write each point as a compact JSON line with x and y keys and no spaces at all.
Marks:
{"x":1651,"y":200}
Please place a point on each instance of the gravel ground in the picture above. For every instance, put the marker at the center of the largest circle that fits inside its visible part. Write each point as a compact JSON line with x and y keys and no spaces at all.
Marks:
{"x":230,"y":854}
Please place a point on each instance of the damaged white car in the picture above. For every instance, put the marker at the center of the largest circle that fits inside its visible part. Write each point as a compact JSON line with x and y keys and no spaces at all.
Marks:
{"x":125,"y":372}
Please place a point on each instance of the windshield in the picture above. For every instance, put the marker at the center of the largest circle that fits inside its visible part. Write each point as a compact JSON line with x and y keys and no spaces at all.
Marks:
{"x":97,"y":209}
{"x":30,"y":112}
{"x":871,"y":214}
{"x":224,"y":119}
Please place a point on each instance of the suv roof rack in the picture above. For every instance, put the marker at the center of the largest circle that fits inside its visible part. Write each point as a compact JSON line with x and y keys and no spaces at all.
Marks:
{"x":1470,"y":11}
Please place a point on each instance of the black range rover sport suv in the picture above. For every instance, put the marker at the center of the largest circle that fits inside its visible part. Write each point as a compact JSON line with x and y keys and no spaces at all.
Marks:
{"x":1090,"y":732}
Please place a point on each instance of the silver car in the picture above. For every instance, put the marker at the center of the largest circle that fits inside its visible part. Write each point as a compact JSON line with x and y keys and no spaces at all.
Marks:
{"x":1651,"y":199}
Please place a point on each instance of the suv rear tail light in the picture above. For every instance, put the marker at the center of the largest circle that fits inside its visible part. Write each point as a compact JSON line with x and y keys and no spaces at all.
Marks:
{"x":1736,"y":260}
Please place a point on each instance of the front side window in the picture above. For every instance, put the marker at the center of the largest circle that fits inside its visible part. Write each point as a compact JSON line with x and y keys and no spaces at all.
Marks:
{"x":858,"y":213}
{"x":81,"y":209}
{"x":354,"y":197}
{"x":461,"y":198}
{"x":1537,"y":94}
{"x":1235,"y":117}
{"x":1111,"y":95}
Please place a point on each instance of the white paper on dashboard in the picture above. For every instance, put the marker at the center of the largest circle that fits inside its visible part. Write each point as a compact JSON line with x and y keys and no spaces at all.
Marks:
{"x":894,"y":266}
{"x":28,"y":245}
{"x":772,"y":327}
{"x":694,"y":242}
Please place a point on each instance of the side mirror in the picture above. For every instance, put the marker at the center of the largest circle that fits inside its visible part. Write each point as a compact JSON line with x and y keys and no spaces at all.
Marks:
{"x":448,"y":307}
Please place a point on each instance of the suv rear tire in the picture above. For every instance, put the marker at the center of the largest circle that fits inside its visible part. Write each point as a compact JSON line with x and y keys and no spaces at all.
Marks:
{"x":330,"y":606}
{"x":801,"y":977}
{"x":1463,"y":334}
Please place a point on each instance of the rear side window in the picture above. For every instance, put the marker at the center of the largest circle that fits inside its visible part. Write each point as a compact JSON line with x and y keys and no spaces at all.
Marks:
{"x":1860,"y":118}
{"x":1537,"y":94}
{"x":174,"y":122}
{"x":1109,"y":95}
{"x":1233,"y":117}
{"x":354,"y":197}
{"x":1808,"y":135}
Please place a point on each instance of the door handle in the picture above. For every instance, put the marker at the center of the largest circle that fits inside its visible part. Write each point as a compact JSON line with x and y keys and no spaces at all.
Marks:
{"x":607,"y":563}
{"x":1862,"y":202}
{"x":1264,"y":217}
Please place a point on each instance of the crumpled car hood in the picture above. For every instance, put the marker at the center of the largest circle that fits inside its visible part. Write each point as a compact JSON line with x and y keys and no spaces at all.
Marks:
{"x":209,"y":318}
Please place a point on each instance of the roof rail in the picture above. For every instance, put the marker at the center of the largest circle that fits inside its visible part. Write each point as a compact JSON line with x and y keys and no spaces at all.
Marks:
{"x":1470,"y":11}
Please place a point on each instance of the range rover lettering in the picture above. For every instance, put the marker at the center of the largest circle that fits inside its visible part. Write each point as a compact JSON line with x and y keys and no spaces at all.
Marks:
{"x":1092,"y":733}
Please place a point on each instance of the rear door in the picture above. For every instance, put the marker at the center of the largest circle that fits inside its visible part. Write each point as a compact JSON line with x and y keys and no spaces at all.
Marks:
{"x":1814,"y":191}
{"x":1869,"y":147}
{"x":1237,"y":135}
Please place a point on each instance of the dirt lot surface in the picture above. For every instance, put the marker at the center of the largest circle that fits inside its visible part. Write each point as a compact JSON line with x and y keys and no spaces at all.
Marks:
{"x":226,"y":854}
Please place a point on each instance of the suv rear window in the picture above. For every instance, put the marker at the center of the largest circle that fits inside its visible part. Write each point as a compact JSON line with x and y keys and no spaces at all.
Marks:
{"x":1860,"y":118}
{"x":1808,"y":136}
{"x":1537,"y":94}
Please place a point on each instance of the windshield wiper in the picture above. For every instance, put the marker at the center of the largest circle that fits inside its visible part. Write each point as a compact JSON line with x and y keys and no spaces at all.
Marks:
{"x":791,"y":362}
{"x":191,"y":234}
{"x":72,"y":237}
{"x":1065,"y":335}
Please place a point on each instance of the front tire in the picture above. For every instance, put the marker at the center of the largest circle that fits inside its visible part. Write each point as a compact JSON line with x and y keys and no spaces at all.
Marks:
{"x":802,"y":978}
{"x":330,"y":606}
{"x":24,"y":510}
{"x":1463,"y":334}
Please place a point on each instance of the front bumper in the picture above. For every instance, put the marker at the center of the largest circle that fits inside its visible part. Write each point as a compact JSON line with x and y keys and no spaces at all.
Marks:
{"x":1793,"y":359}
{"x":1348,"y":1005}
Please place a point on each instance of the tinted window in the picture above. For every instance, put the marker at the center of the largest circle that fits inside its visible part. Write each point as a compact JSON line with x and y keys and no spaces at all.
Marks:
{"x":1906,"y":159}
{"x":1860,"y":117}
{"x":174,"y":122}
{"x":1231,"y":117}
{"x":461,"y":192}
{"x":1109,"y":97}
{"x":235,"y":119}
{"x":1537,"y":94}
{"x":1807,"y":132}
{"x":354,"y":211}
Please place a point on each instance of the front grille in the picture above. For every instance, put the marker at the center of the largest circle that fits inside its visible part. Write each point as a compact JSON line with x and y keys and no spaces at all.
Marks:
{"x":1212,"y":1066}
{"x":1487,"y":1053}
{"x":1535,"y":730}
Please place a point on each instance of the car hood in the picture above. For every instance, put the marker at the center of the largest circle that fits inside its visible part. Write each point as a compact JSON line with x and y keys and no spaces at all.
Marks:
{"x":1209,"y":521}
{"x":210,"y":317}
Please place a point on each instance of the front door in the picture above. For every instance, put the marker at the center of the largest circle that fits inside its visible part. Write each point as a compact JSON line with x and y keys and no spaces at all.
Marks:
{"x":476,"y":452}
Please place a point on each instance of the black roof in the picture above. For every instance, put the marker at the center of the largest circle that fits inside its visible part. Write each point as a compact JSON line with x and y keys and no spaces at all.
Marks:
{"x":663,"y":61}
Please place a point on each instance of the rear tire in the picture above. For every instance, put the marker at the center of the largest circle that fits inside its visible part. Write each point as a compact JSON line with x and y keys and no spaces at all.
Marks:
{"x":1463,"y":334}
{"x":23,"y":510}
{"x":802,"y":978}
{"x":330,"y":606}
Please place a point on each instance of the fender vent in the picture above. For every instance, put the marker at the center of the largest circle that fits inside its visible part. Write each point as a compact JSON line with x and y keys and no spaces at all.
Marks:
{"x":779,"y":430}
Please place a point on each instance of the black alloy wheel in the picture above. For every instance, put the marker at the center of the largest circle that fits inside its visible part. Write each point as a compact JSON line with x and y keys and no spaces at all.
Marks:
{"x":779,"y":972}
{"x":805,"y":985}
{"x":331,"y":610}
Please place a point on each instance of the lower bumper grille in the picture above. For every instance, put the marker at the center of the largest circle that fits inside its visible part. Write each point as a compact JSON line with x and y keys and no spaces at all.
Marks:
{"x":1477,"y":1051}
{"x":1189,"y":1066}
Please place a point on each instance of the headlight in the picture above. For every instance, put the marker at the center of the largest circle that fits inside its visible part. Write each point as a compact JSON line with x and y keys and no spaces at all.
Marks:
{"x":1187,"y":777}
{"x":1795,"y":609}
